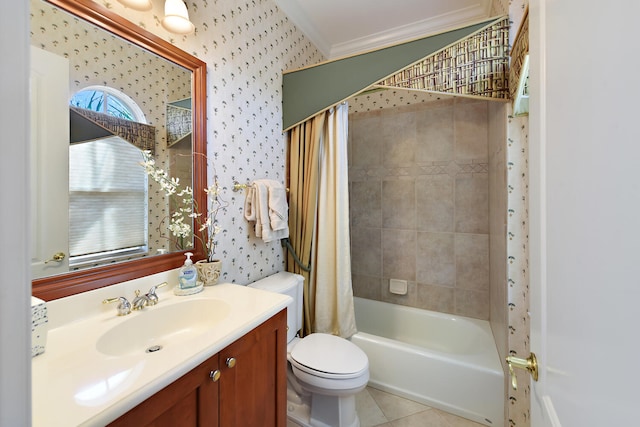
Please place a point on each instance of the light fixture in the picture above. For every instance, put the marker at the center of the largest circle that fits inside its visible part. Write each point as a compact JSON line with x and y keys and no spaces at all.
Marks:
{"x":176,"y":17}
{"x":137,"y":4}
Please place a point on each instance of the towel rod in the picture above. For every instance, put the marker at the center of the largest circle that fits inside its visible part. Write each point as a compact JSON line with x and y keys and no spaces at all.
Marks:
{"x":237,"y":186}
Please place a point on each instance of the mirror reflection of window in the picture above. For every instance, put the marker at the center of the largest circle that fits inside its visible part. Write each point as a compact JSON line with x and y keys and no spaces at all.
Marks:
{"x":103,"y":99}
{"x":108,"y":189}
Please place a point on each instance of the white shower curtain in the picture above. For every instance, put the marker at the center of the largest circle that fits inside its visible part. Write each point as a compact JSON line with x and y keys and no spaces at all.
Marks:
{"x":319,"y":220}
{"x":331,"y":251}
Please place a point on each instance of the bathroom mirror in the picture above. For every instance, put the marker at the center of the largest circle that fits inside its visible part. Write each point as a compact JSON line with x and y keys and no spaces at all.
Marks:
{"x":84,"y":54}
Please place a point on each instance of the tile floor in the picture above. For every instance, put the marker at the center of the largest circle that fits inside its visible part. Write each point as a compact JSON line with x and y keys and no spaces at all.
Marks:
{"x":381,"y":409}
{"x":377,"y":408}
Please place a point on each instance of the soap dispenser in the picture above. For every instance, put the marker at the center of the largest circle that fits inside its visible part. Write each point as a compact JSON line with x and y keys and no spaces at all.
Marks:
{"x":188,"y":283}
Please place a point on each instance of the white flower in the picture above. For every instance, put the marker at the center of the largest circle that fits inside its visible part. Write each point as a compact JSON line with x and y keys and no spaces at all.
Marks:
{"x":186,"y":207}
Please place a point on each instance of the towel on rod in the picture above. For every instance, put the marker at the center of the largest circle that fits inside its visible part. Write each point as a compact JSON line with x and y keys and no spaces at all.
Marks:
{"x":278,"y":208}
{"x":266,"y":204}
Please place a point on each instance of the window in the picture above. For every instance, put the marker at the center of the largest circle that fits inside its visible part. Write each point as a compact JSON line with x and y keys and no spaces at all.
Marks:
{"x":108,"y":101}
{"x":108,"y":200}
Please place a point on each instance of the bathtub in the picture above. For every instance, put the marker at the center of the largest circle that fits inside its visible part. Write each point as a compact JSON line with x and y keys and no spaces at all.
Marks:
{"x":444,"y":361}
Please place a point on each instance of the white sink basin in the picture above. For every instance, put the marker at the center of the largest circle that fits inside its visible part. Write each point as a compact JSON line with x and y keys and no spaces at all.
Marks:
{"x":157,"y":327}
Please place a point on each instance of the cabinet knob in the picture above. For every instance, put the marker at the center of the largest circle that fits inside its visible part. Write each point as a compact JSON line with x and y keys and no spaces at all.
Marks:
{"x":231,"y":362}
{"x":215,"y":375}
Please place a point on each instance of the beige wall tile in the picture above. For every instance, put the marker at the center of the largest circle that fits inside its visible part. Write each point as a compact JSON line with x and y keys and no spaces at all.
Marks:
{"x":470,"y":130}
{"x":472,"y":303}
{"x":498,"y":226}
{"x":472,"y":203}
{"x":399,"y":254}
{"x":435,"y":134}
{"x":365,"y":203}
{"x":472,"y":261}
{"x":366,"y":149}
{"x":434,"y":186}
{"x":399,"y":133}
{"x":435,"y":203}
{"x":399,"y":204}
{"x":365,"y":286}
{"x":366,"y":251}
{"x":435,"y":298}
{"x":435,"y":259}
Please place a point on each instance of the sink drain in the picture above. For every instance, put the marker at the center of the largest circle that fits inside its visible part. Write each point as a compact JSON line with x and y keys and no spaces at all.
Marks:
{"x":153,"y":349}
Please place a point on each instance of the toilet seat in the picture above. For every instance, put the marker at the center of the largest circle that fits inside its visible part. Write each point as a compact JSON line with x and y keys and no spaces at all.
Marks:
{"x":328,"y":356}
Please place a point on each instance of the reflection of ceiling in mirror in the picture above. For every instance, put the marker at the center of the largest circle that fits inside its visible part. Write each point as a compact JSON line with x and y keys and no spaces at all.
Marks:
{"x":99,"y":58}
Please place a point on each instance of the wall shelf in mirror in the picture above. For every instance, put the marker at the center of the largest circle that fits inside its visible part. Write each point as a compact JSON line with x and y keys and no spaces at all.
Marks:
{"x":70,"y":283}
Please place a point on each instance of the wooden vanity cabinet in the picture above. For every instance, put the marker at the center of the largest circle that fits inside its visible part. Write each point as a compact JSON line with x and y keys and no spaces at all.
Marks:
{"x":251,"y":389}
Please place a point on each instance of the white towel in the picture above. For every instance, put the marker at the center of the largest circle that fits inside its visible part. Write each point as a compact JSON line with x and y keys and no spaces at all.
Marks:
{"x":278,"y":208}
{"x":249,"y":204}
{"x":266,"y":204}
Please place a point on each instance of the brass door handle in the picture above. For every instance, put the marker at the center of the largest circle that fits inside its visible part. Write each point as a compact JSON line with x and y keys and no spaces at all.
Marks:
{"x":530,"y":364}
{"x":215,"y":375}
{"x":57,"y":257}
{"x":231,"y":362}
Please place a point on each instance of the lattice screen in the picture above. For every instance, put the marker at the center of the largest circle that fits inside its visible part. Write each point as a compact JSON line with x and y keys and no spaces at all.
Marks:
{"x":475,"y":66}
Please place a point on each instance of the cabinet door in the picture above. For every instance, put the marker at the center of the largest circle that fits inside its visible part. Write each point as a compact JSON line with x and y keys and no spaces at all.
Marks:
{"x":190,"y":401}
{"x":253,"y":384}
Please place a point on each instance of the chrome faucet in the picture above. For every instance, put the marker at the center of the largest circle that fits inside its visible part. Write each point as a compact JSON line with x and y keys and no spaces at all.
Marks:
{"x":140,"y":302}
{"x":152,"y":297}
{"x":124,"y":306}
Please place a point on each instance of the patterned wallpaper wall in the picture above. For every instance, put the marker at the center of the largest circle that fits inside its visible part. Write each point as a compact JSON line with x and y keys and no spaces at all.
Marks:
{"x":381,"y":99}
{"x":517,"y":154}
{"x":246,"y":45}
{"x":99,"y":58}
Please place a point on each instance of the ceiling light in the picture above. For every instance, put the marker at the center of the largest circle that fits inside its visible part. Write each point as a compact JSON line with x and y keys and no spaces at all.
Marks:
{"x":176,"y":17}
{"x":137,"y":4}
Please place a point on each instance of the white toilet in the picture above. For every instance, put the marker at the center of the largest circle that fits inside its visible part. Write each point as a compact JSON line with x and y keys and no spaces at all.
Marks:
{"x":325,"y":371}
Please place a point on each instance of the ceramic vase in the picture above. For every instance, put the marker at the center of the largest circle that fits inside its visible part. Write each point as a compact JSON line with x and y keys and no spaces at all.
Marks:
{"x":209,"y":271}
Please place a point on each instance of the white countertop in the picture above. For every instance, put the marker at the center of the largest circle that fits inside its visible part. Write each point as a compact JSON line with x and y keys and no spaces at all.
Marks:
{"x":75,"y":384}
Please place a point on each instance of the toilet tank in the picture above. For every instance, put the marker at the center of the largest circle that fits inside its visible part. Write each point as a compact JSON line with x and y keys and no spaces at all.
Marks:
{"x":290,"y":284}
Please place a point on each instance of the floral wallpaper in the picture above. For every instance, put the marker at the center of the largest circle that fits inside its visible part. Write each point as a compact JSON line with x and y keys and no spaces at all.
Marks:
{"x":246,"y":45}
{"x":518,"y":407}
{"x":381,"y":99}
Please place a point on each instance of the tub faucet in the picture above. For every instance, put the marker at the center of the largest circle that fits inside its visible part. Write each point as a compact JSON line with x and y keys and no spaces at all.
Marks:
{"x":124,"y":306}
{"x":140,"y":302}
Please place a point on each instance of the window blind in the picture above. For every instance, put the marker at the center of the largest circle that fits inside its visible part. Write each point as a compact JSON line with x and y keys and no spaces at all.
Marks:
{"x":107,"y":197}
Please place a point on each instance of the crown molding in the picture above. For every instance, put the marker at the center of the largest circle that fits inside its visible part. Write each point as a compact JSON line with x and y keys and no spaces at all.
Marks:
{"x":409,"y":32}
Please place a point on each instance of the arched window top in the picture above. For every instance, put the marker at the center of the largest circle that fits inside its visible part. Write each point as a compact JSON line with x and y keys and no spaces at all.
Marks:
{"x":109,"y":101}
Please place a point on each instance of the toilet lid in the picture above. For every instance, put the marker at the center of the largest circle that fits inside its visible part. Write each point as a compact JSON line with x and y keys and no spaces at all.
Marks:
{"x":329,"y":354}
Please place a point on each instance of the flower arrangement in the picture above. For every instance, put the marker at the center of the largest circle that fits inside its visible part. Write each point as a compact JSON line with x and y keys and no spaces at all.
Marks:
{"x":187,"y":214}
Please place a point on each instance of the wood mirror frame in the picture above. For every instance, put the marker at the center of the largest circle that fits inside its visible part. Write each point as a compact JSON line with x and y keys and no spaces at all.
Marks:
{"x":71,"y":283}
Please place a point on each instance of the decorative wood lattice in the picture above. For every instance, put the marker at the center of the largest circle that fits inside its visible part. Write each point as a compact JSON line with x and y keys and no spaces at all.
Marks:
{"x":519,"y":52}
{"x":475,"y":66}
{"x":179,"y":124}
{"x":141,"y":135}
